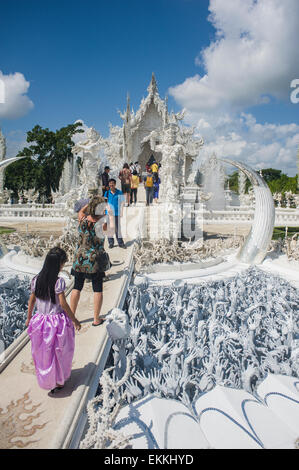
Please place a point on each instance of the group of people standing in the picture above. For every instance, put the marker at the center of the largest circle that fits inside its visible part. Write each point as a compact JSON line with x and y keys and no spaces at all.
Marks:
{"x":130,"y":177}
{"x":152,"y":183}
{"x":52,"y":328}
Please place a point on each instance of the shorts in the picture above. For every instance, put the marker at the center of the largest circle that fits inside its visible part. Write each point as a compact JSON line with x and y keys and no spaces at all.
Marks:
{"x":97,"y":281}
{"x":126,"y":188}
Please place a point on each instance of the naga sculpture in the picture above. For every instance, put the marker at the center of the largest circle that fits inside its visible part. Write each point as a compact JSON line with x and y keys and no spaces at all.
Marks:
{"x":258,"y":241}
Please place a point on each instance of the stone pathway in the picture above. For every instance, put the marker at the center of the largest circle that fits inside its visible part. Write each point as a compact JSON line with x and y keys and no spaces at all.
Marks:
{"x":29,"y":416}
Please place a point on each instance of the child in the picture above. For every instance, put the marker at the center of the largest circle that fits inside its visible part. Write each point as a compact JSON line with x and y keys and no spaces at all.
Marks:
{"x":134,"y":187}
{"x":51,"y":329}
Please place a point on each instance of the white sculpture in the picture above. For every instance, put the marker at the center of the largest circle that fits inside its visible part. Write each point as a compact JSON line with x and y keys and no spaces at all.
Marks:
{"x":144,"y":130}
{"x":289,"y":196}
{"x":149,"y":253}
{"x":204,"y":197}
{"x":89,"y":150}
{"x":277,"y":197}
{"x":242,"y":184}
{"x":30,"y":195}
{"x":185,"y":340}
{"x":101,"y":419}
{"x":113,"y":147}
{"x":117,"y":324}
{"x":213,"y":182}
{"x":258,"y":241}
{"x":172,"y":170}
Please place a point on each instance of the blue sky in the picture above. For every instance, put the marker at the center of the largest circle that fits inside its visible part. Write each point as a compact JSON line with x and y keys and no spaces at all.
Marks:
{"x":68,"y":60}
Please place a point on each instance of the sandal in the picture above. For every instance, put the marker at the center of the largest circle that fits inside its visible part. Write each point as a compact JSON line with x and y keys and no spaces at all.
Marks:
{"x":98,"y":324}
{"x":56,"y":389}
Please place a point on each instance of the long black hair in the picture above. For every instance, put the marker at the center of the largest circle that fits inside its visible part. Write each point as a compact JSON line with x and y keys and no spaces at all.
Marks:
{"x":46,"y":279}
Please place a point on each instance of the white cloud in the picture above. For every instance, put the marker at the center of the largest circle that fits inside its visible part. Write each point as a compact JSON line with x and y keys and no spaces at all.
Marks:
{"x":254,"y":56}
{"x":16,"y":102}
{"x":259,"y":145}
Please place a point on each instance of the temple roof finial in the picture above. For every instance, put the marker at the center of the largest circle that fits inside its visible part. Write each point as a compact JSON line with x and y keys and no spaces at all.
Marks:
{"x":153,"y":85}
{"x":128,"y":110}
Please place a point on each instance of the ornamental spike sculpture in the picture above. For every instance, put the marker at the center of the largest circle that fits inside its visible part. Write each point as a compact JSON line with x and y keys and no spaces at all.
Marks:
{"x":258,"y":241}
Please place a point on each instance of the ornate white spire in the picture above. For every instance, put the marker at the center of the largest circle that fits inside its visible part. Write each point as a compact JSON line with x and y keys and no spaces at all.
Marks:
{"x":128,"y":112}
{"x":152,"y":88}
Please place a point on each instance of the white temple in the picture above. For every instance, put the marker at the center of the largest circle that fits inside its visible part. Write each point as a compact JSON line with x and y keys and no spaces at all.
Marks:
{"x":151,"y":131}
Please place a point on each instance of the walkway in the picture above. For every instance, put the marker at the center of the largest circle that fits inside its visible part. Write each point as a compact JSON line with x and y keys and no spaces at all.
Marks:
{"x":29,"y":416}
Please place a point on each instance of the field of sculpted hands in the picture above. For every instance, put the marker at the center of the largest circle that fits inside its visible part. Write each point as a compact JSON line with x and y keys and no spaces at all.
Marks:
{"x":14,"y":295}
{"x":185,"y":340}
{"x":182,"y":341}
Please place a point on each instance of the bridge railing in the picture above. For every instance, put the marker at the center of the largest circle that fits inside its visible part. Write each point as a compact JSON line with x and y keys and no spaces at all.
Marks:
{"x":234,"y":215}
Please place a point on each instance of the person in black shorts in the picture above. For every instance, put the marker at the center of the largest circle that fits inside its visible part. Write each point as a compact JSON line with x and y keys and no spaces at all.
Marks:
{"x":105,"y":180}
{"x":86,"y":264}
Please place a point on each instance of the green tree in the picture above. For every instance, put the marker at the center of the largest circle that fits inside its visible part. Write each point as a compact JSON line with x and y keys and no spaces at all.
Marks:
{"x":21,"y":175}
{"x":233,"y":181}
{"x":283,"y":184}
{"x":277,"y":181}
{"x":49,"y":150}
{"x":270,"y":174}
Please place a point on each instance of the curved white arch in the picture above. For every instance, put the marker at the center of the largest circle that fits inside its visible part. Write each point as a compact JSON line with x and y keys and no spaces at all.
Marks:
{"x":8,"y":161}
{"x":257,"y":242}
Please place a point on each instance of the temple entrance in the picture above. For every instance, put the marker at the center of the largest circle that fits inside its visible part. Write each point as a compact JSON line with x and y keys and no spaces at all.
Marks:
{"x":146,"y":155}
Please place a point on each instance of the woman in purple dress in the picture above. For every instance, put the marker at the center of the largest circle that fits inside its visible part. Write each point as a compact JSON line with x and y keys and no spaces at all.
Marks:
{"x":51,"y":329}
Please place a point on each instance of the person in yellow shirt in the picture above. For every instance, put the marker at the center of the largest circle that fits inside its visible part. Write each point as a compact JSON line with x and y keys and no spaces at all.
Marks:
{"x":154,"y":167}
{"x":134,"y":187}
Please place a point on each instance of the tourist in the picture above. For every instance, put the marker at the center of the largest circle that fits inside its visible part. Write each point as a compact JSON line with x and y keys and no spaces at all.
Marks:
{"x":132,"y":167}
{"x":86,"y":265}
{"x":115,"y":199}
{"x":105,"y":179}
{"x":157,"y":183}
{"x":125,"y":178}
{"x":149,"y":187}
{"x":138,"y":169}
{"x":51,"y":329}
{"x":154,"y":167}
{"x":134,"y":187}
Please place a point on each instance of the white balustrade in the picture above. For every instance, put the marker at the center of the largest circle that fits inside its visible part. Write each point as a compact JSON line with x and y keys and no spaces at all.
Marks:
{"x":234,"y":214}
{"x":50,"y":211}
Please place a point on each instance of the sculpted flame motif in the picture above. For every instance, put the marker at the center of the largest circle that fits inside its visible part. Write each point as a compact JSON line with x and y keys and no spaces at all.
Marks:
{"x":28,"y":368}
{"x":12,"y":426}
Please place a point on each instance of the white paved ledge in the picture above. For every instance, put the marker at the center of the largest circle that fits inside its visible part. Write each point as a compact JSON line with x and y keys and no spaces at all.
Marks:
{"x":57,"y":421}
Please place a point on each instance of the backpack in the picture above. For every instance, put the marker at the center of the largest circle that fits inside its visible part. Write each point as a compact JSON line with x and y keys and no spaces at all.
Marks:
{"x":149,"y":182}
